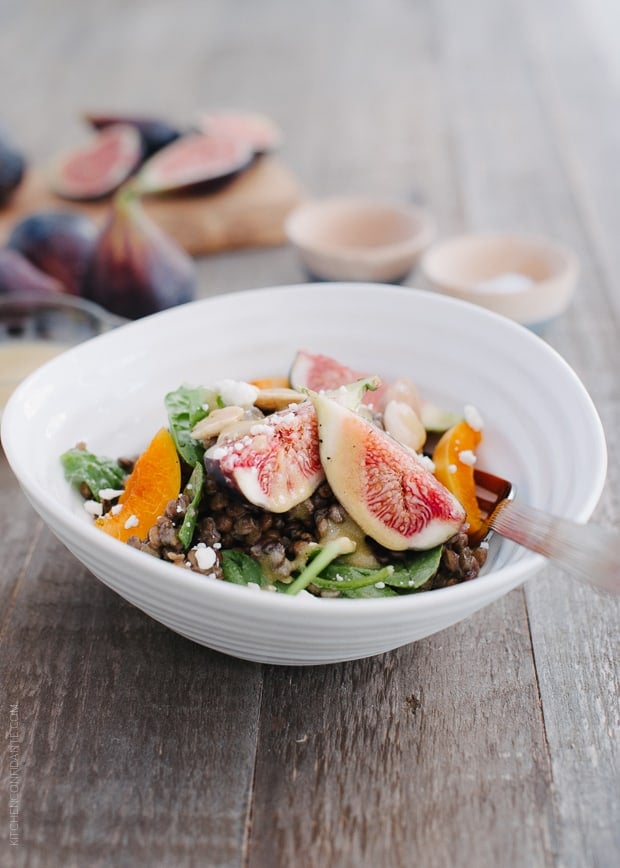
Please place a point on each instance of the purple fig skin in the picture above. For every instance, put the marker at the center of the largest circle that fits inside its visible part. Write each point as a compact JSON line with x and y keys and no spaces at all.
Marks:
{"x":18,"y":276}
{"x":59,"y":243}
{"x":137,"y":269}
{"x":156,"y":134}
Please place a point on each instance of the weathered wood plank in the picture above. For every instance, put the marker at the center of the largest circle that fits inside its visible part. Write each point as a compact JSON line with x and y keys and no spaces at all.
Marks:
{"x":136,"y":746}
{"x":432,"y":755}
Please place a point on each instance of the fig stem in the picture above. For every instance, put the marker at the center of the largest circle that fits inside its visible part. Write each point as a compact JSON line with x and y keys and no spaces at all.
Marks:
{"x":340,"y":546}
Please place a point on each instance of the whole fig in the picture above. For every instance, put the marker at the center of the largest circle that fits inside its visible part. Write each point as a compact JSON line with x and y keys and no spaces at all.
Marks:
{"x":12,"y":166}
{"x":59,"y":243}
{"x":136,"y":268}
{"x":19,"y":276}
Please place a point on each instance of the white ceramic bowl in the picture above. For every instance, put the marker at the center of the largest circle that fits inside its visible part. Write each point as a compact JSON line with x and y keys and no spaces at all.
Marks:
{"x":356,"y":238}
{"x":541,"y":431}
{"x":527,"y":278}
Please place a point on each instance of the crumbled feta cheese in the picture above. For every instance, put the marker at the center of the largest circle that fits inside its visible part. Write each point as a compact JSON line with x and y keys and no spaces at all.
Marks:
{"x":473,"y":417}
{"x":132,"y":521}
{"x":216,"y":546}
{"x":205,"y":556}
{"x":110,"y":493}
{"x":466,"y":456}
{"x":452,"y":468}
{"x":254,"y":586}
{"x":425,"y":460}
{"x":380,"y":585}
{"x":261,"y":428}
{"x":218,"y":452}
{"x":116,"y":509}
{"x":236,"y":393}
{"x":93,"y":507}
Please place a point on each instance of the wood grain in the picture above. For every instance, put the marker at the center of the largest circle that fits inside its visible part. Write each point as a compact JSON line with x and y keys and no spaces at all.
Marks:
{"x":493,"y":743}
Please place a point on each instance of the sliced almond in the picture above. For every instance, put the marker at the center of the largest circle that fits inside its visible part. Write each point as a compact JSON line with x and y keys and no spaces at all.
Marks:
{"x":403,"y":423}
{"x":277,"y":399}
{"x":215,"y":422}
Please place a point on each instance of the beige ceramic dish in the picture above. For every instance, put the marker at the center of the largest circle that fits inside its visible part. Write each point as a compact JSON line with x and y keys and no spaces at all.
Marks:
{"x":524,"y":277}
{"x":359,"y":239}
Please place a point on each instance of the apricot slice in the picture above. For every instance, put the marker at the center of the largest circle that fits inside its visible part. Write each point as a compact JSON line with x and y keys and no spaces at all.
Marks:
{"x":154,"y":481}
{"x":454,"y":458}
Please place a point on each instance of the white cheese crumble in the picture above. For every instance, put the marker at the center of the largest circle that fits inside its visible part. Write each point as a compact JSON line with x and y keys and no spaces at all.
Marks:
{"x":466,"y":456}
{"x":236,"y":393}
{"x":218,"y":452}
{"x":254,"y":585}
{"x":473,"y":417}
{"x":116,"y":509}
{"x":205,"y":556}
{"x":110,"y":493}
{"x":452,"y":468}
{"x":132,"y":521}
{"x":93,"y":507}
{"x":380,"y":585}
{"x":425,"y":460}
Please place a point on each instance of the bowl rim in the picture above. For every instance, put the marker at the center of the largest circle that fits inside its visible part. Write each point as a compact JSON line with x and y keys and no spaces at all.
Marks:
{"x":568,"y":260}
{"x":87,"y":535}
{"x":417,"y":240}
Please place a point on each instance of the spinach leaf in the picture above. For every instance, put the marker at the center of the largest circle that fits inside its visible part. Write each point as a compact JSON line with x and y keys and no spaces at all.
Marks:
{"x":241,"y":569}
{"x":193,"y":490}
{"x":344,"y":577}
{"x":416,"y":570}
{"x":81,"y":466}
{"x":185,"y":408}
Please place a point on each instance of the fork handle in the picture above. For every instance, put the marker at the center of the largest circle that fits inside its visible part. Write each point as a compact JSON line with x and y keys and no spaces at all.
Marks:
{"x":590,"y":552}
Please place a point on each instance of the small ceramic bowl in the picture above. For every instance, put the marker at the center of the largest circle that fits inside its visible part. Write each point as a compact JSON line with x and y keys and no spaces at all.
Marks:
{"x":35,"y":328}
{"x":359,"y":239}
{"x":527,"y":278}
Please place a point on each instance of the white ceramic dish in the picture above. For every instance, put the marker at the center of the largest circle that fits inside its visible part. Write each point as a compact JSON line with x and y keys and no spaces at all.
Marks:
{"x":542,"y":431}
{"x":357,"y":238}
{"x":527,"y":278}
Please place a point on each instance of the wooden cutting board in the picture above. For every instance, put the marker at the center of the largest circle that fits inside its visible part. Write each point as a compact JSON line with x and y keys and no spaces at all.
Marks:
{"x":249,"y":211}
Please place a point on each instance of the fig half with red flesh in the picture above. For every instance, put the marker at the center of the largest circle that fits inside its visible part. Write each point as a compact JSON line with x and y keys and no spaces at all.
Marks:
{"x":155,"y":133}
{"x":276,"y":465}
{"x":193,"y":161}
{"x":385,"y":488}
{"x":322,"y":373}
{"x":257,"y":130}
{"x":98,"y":168}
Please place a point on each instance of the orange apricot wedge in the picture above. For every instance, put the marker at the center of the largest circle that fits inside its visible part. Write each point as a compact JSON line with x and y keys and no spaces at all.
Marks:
{"x":454,"y":458}
{"x":272,"y":383}
{"x":154,"y":481}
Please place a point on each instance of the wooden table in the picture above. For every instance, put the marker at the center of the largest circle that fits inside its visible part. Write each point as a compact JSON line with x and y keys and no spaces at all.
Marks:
{"x":493,"y":743}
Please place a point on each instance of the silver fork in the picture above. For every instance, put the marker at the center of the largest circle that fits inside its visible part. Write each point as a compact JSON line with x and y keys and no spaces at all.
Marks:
{"x":590,"y":552}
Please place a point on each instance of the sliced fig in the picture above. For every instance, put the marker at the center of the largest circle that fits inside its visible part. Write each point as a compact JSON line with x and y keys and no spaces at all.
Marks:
{"x":99,"y":168}
{"x":193,"y":161}
{"x":155,"y":133}
{"x":276,"y":464}
{"x":59,"y":243}
{"x":385,"y":488}
{"x":322,"y":373}
{"x":18,"y":276}
{"x":256,"y":130}
{"x":12,"y":167}
{"x":137,"y":269}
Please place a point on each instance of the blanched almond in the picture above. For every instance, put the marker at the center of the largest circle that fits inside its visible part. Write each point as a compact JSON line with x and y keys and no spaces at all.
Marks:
{"x":277,"y":399}
{"x":215,"y":422}
{"x":403,"y":423}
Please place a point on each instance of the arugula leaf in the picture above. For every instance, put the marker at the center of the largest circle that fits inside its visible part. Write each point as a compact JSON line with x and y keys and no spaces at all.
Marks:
{"x":241,"y":569}
{"x":186,"y":407}
{"x":193,"y":489}
{"x":416,"y":570}
{"x":81,"y":466}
